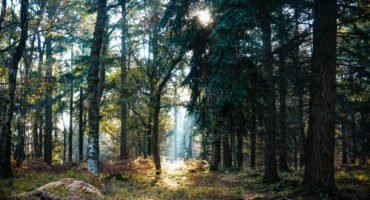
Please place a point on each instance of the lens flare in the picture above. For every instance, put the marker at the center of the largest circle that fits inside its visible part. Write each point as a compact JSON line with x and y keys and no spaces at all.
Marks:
{"x":204,"y":17}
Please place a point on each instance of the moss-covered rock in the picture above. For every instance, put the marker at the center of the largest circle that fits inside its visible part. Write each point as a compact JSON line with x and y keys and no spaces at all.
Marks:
{"x":64,"y":189}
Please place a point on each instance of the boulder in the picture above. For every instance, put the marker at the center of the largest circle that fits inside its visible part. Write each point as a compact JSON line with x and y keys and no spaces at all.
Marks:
{"x":64,"y":189}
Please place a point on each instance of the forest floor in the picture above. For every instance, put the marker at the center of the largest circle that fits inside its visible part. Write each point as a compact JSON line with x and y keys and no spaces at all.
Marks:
{"x":179,"y":180}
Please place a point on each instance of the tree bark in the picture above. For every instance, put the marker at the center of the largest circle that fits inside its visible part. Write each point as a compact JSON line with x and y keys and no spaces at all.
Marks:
{"x":70,"y":138}
{"x":270,"y":173}
{"x":299,"y":89}
{"x":216,"y":150}
{"x":48,"y":102}
{"x":123,"y":104}
{"x":2,"y":13}
{"x":319,"y":165}
{"x":344,"y":145}
{"x":253,"y":132}
{"x":149,"y":139}
{"x":354,"y":139}
{"x":80,"y":128}
{"x":36,"y":130}
{"x":240,"y":130}
{"x":175,"y":152}
{"x":155,"y":139}
{"x":64,"y":143}
{"x":8,"y":105}
{"x":227,"y":157}
{"x":41,"y":135}
{"x":93,"y":88}
{"x":283,"y":83}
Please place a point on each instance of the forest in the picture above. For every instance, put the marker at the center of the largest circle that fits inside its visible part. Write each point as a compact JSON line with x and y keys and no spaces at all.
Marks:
{"x":185,"y":99}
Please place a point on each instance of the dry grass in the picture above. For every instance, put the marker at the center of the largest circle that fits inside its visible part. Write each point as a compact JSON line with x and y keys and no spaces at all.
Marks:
{"x":190,"y":179}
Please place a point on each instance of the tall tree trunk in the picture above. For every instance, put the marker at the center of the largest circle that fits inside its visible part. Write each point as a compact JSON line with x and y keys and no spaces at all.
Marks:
{"x":93,"y":88}
{"x":344,"y":145}
{"x":270,"y":174}
{"x":20,"y":154}
{"x":253,"y":132}
{"x":190,"y":146}
{"x":354,"y":139}
{"x":48,"y":102}
{"x":8,"y":106}
{"x":364,"y":133}
{"x":36,"y":134}
{"x":70,"y":138}
{"x":36,"y":131}
{"x":227,"y":157}
{"x":233,"y":123}
{"x":80,"y":128}
{"x":48,"y":142}
{"x":299,"y":89}
{"x":148,"y":136}
{"x":155,"y":139}
{"x":240,"y":130}
{"x":319,"y":165}
{"x":27,"y":58}
{"x":41,"y":135}
{"x":175,"y":152}
{"x":2,"y":13}
{"x":123,"y":104}
{"x":216,"y":150}
{"x":283,"y":83}
{"x":64,"y":143}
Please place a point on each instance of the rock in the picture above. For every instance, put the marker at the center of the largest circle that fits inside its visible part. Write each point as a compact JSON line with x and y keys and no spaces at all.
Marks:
{"x":64,"y":189}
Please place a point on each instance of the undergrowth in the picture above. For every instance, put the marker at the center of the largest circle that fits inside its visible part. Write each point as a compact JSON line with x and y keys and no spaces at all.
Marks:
{"x":189,"y":180}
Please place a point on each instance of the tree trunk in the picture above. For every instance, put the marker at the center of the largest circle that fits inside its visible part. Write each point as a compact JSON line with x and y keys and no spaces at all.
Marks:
{"x":344,"y":145}
{"x":48,"y":102}
{"x":299,"y":87}
{"x":190,"y":146}
{"x":149,"y":140}
{"x":232,"y":142}
{"x":64,"y":143}
{"x":27,"y":58}
{"x":283,"y":156}
{"x":155,"y":139}
{"x":80,"y":128}
{"x":227,"y":157}
{"x":253,"y":132}
{"x":41,"y":135}
{"x":240,"y":130}
{"x":93,"y":88}
{"x":364,"y":133}
{"x":270,"y":174}
{"x":354,"y":139}
{"x":123,"y":104}
{"x":70,"y":138}
{"x":319,"y":165}
{"x":2,"y":13}
{"x":216,"y":150}
{"x":36,"y":125}
{"x":36,"y":134}
{"x":175,"y":152}
{"x":8,"y":105}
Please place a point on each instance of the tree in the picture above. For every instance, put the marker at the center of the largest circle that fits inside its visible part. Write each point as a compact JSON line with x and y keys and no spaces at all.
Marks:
{"x":70,"y":150}
{"x":93,"y":91}
{"x":8,"y":107}
{"x":283,"y":84}
{"x":81,"y":127}
{"x":48,"y":143}
{"x":123,"y":150}
{"x":319,"y":165}
{"x":270,"y":174}
{"x":37,"y":125}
